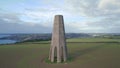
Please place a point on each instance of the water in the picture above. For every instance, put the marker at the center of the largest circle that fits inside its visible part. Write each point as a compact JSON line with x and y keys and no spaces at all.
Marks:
{"x":7,"y":41}
{"x":2,"y":35}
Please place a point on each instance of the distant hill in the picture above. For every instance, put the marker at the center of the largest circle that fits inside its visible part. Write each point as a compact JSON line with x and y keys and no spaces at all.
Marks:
{"x":31,"y":37}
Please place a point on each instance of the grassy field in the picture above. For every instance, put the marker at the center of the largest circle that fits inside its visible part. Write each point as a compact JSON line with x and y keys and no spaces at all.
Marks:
{"x":85,"y":53}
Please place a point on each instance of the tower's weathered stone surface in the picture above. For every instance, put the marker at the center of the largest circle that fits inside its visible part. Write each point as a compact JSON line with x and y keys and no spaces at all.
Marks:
{"x":58,"y":47}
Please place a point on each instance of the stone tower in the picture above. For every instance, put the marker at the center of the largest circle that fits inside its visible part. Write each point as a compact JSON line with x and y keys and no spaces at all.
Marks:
{"x":58,"y":49}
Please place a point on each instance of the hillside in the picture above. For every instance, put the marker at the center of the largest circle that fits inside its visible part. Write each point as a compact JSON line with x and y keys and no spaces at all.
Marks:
{"x":84,"y":53}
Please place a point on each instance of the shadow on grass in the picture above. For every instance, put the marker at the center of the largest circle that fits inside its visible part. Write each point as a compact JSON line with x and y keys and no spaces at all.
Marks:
{"x":55,"y":61}
{"x":73,"y":56}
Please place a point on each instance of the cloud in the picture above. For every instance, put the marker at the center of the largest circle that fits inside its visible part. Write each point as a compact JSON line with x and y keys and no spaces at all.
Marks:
{"x":10,"y":23}
{"x":10,"y":17}
{"x":107,"y":11}
{"x":109,"y":4}
{"x":79,"y":15}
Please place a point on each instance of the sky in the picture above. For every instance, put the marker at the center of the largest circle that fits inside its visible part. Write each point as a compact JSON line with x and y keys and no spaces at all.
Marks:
{"x":80,"y":16}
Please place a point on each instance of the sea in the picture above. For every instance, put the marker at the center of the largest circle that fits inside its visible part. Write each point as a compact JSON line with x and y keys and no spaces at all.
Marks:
{"x":4,"y":41}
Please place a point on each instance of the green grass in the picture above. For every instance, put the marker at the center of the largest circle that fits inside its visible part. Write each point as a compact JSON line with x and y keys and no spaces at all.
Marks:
{"x":104,"y":54}
{"x":93,"y":40}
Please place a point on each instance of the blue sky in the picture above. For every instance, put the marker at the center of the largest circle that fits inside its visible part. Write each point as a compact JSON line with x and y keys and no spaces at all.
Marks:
{"x":80,"y":16}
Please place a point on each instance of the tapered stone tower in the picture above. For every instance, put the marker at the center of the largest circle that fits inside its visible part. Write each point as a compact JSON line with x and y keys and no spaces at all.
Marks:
{"x":58,"y":49}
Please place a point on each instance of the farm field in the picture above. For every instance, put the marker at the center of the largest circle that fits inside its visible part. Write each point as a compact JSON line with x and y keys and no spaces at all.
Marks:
{"x":84,"y":53}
